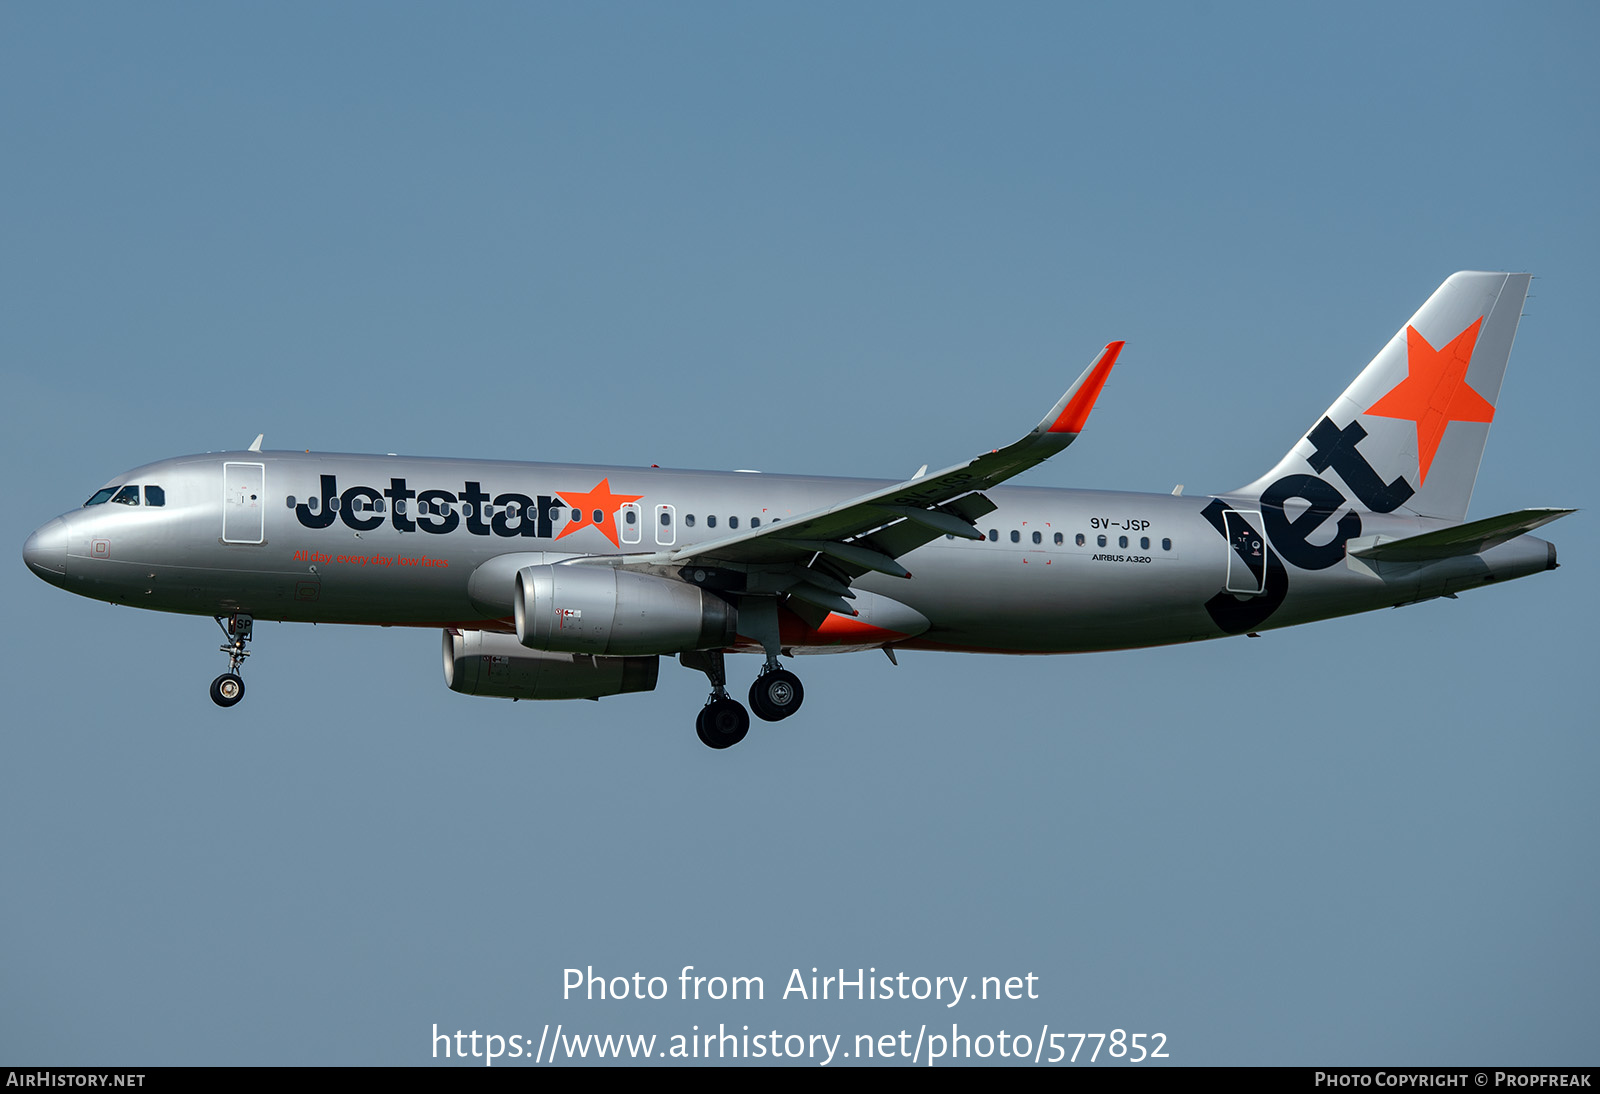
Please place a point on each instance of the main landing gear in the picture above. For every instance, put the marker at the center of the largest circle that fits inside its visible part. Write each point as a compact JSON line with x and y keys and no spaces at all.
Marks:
{"x":776,"y":693}
{"x":228,"y":688}
{"x":722,"y":722}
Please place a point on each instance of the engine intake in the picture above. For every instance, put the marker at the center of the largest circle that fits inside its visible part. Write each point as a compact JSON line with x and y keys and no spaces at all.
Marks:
{"x":604,"y":610}
{"x":496,"y":665}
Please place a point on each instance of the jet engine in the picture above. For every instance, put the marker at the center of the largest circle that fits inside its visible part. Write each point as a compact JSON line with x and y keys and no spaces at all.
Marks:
{"x":497,"y":665}
{"x":605,"y":610}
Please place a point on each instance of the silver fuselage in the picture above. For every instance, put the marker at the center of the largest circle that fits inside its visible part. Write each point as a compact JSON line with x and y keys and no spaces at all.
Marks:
{"x":1058,"y":571}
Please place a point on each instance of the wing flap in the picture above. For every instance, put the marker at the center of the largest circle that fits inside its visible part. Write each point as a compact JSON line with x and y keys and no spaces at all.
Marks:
{"x":942,"y":523}
{"x":855,"y":555}
{"x":810,"y":594}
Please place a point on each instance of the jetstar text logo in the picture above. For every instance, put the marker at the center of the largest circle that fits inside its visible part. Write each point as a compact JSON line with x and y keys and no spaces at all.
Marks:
{"x":1333,"y":447}
{"x":510,"y":514}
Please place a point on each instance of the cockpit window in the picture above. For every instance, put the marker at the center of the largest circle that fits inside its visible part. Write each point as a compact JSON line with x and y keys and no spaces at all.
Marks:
{"x":128,"y":495}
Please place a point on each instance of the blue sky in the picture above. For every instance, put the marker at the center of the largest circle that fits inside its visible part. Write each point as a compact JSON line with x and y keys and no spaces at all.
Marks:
{"x":819,"y":239}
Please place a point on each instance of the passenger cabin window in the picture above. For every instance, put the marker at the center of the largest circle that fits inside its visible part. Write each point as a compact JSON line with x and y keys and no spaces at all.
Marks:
{"x":711,"y":522}
{"x":1037,"y":538}
{"x":688,"y":520}
{"x":755,"y":522}
{"x":1061,"y":539}
{"x":1016,"y":536}
{"x":1100,"y":540}
{"x":1078,"y":539}
{"x":1166,"y":545}
{"x":733,"y":522}
{"x":128,"y":495}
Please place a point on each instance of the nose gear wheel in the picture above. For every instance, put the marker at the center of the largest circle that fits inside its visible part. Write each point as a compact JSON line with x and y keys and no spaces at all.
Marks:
{"x":228,"y":689}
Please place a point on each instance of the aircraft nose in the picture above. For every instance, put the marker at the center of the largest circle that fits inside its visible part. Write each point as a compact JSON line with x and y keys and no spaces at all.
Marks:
{"x":46,"y":551}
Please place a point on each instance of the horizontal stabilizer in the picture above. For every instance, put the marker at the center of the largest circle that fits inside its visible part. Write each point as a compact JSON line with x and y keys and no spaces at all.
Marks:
{"x":1463,"y":539}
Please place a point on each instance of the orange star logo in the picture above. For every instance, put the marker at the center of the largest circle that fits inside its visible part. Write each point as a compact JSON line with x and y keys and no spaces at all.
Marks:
{"x":598,"y":508}
{"x":1435,"y":392}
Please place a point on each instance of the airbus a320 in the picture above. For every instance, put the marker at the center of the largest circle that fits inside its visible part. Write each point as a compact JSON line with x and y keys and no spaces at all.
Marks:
{"x":560,"y":581}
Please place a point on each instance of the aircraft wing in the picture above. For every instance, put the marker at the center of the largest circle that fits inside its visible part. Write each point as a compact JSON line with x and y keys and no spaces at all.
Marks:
{"x":871,"y":531}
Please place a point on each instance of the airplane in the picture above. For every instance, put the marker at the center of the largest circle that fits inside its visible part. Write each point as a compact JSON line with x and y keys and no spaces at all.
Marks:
{"x":558,"y":581}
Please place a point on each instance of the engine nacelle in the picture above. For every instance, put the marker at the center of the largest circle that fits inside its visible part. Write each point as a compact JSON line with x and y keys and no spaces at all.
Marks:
{"x":497,"y":665}
{"x":605,"y":610}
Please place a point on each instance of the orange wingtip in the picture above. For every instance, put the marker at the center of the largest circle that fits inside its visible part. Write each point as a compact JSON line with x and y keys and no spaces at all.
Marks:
{"x":1076,"y":413}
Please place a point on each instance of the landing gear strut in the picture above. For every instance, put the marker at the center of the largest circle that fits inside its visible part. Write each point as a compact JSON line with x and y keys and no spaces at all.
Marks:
{"x":722,"y":721}
{"x":228,"y":688}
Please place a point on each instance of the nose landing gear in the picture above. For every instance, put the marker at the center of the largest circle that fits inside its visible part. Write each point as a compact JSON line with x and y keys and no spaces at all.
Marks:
{"x":228,"y":689}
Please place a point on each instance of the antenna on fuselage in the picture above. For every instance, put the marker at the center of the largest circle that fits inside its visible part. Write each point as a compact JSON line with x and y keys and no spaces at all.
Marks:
{"x":255,"y":445}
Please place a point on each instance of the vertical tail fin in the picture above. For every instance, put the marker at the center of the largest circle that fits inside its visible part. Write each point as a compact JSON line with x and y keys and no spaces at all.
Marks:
{"x":1409,"y":432}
